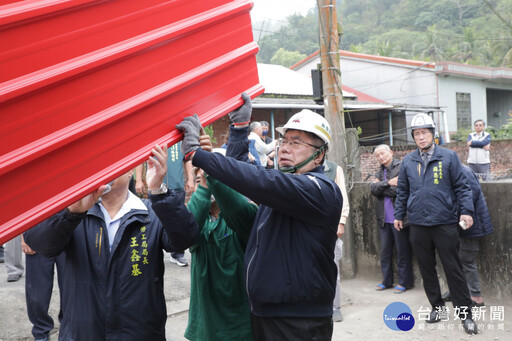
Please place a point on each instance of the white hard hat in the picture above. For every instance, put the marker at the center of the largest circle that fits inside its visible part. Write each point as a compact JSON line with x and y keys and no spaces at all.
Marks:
{"x":307,"y":120}
{"x":422,"y":121}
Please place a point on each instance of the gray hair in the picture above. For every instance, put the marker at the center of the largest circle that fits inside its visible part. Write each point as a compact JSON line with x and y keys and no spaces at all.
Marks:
{"x":382,"y":146}
{"x":254,"y":125}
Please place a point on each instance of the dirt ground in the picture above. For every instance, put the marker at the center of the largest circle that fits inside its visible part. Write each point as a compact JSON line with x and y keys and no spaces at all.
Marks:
{"x":362,"y":308}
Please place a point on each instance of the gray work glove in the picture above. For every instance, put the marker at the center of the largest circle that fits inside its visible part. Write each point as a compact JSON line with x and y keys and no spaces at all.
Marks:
{"x":191,"y":127}
{"x":242,"y":115}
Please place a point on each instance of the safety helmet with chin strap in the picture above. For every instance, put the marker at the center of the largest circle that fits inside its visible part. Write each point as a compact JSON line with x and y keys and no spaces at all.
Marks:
{"x":423,"y":121}
{"x":311,"y":122}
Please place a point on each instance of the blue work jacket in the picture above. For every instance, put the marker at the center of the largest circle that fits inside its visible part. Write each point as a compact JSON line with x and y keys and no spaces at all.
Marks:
{"x":429,"y":193}
{"x":116,"y":294}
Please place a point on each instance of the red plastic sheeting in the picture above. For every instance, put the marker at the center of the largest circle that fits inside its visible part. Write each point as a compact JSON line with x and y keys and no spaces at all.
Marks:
{"x":87,"y":88}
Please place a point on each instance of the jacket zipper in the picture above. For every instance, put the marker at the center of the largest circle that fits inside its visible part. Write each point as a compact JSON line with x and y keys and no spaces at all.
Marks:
{"x":101,"y":234}
{"x":250,"y":262}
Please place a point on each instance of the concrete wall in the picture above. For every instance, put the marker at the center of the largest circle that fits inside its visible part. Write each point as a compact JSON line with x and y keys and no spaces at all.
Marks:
{"x":495,"y":261}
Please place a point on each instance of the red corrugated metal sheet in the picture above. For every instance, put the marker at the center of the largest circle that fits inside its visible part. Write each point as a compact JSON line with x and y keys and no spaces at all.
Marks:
{"x":87,"y":88}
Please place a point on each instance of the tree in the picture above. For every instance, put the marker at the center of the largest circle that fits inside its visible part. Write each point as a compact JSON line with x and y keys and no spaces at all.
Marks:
{"x":286,"y":58}
{"x":300,"y":35}
{"x":432,"y":52}
{"x":461,"y":30}
{"x":384,"y":48}
{"x":466,"y":50}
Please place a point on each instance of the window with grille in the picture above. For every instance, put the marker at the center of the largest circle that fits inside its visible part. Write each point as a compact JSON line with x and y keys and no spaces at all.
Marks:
{"x":463,"y":110}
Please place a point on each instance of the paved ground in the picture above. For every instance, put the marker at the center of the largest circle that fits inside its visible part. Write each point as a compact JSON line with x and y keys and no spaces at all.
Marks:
{"x":362,"y":307}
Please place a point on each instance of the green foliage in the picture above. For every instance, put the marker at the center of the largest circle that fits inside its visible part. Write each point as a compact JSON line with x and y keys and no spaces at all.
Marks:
{"x":460,"y":135}
{"x":301,"y":35}
{"x":356,"y":48}
{"x":209,"y":131}
{"x":286,"y":58}
{"x":466,"y":31}
{"x":504,"y":133}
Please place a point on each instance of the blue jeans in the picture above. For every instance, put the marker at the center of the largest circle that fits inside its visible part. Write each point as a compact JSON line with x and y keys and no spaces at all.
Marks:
{"x":390,"y":237}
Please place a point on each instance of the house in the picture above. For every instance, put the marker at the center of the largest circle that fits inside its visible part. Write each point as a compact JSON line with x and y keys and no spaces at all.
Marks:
{"x":287,"y":92}
{"x":457,"y":94}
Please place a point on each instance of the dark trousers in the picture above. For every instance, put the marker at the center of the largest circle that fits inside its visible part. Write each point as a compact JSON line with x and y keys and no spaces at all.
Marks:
{"x":292,"y":328}
{"x":468,"y":254}
{"x":390,"y":237}
{"x":38,"y":291}
{"x":425,"y":240}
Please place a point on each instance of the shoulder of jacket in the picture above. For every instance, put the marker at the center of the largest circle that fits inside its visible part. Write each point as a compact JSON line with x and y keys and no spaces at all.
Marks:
{"x":396,"y":162}
{"x":315,"y":176}
{"x":408,"y":157}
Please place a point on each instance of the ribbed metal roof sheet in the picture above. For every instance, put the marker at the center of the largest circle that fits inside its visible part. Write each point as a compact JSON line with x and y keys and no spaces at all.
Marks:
{"x":88,"y":87}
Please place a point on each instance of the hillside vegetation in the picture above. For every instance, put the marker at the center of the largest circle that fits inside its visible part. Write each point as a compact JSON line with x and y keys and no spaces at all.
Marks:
{"x":477,"y":32}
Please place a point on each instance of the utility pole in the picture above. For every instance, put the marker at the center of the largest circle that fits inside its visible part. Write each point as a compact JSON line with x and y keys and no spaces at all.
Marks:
{"x":333,"y":109}
{"x":331,"y":79}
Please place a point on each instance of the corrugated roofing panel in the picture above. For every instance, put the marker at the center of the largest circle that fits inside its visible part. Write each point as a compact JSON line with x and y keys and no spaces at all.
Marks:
{"x":87,"y":88}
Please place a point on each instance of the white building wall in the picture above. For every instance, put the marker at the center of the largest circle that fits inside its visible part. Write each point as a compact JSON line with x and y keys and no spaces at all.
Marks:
{"x":399,"y":83}
{"x":393,"y":83}
{"x":306,"y":67}
{"x":448,"y":89}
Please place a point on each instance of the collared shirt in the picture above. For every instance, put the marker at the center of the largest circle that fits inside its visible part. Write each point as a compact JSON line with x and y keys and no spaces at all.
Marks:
{"x":132,"y":203}
{"x":426,"y":156}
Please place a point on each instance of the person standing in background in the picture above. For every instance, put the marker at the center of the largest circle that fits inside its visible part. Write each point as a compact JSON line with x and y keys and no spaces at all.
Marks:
{"x":13,"y":259}
{"x":265,"y":131}
{"x":384,"y":188}
{"x":262,"y":148}
{"x":469,"y":239}
{"x":38,"y":289}
{"x":479,"y":144}
{"x":431,"y":189}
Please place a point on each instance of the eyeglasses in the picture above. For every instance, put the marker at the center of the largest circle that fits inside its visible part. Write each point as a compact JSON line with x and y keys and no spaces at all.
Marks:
{"x":294,"y":143}
{"x":478,"y":125}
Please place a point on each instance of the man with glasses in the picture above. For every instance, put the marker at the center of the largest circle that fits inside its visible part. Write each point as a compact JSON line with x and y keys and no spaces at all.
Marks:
{"x":479,"y":144}
{"x":290,"y":275}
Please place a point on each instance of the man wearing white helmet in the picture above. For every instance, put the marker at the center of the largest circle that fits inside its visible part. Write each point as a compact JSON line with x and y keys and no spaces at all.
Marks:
{"x":431,"y":186}
{"x":290,"y":275}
